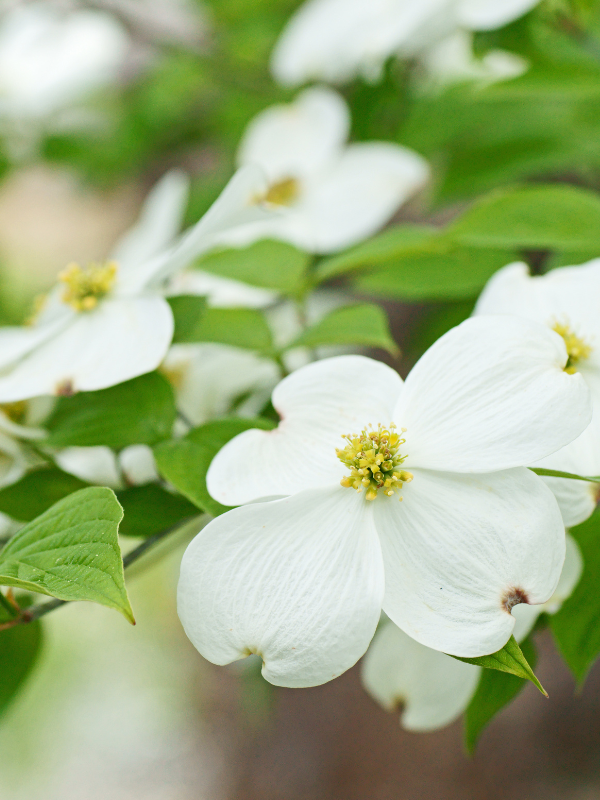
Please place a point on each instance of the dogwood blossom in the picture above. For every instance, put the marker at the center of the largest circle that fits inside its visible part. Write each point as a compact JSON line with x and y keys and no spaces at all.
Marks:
{"x":336,"y":40}
{"x":565,"y":299}
{"x":301,"y":581}
{"x":429,"y":688}
{"x":49,"y":60}
{"x":330,"y":194}
{"x":108,"y":322}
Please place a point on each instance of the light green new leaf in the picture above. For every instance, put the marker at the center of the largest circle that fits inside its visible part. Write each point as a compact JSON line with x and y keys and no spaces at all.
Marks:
{"x":185,"y":462}
{"x":71,"y":552}
{"x":363,"y":324}
{"x":36,"y":492}
{"x":385,"y":248}
{"x":495,"y":690}
{"x":554,"y":217}
{"x":441,"y":270}
{"x":19,"y":649}
{"x":140,"y":411}
{"x":188,"y":310}
{"x":239,"y":327}
{"x":268,"y":264}
{"x":554,"y":473}
{"x":509,"y":659}
{"x":576,"y":627}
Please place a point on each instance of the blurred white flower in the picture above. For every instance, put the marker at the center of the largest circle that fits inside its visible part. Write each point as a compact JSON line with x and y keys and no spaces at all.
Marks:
{"x":49,"y":60}
{"x":101,"y":466}
{"x":96,"y":465}
{"x":429,"y":688}
{"x":109,"y":322}
{"x":330,"y":194}
{"x":453,"y":61}
{"x":301,"y":581}
{"x":336,"y":40}
{"x":565,"y":299}
{"x":213,"y":380}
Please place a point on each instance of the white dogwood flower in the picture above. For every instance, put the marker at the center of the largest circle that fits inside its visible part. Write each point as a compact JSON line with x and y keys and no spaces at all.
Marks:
{"x":301,"y":581}
{"x":109,"y":322}
{"x":49,"y":60}
{"x":565,"y":299}
{"x":330,"y":194}
{"x":336,"y":40}
{"x":429,"y":688}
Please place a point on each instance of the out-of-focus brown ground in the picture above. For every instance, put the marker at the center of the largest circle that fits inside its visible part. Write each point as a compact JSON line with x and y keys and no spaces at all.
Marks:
{"x":334,"y":743}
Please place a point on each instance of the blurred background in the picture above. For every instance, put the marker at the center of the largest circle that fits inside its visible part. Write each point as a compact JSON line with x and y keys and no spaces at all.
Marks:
{"x":128,"y":713}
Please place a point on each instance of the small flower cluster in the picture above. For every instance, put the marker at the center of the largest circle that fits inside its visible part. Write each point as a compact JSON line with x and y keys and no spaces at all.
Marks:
{"x":373,"y":457}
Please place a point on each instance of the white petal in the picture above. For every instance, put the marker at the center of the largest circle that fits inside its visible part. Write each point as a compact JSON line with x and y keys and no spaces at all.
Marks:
{"x":298,"y":581}
{"x":13,"y":461}
{"x":567,"y":295}
{"x":209,"y":378}
{"x":298,"y":139}
{"x":319,"y":41}
{"x":220,"y":292}
{"x":92,"y":464}
{"x":238,"y":204}
{"x":17,"y":342}
{"x":121,"y":339}
{"x":576,"y":499}
{"x":335,"y":40}
{"x":318,"y":404}
{"x":526,"y":615}
{"x":491,"y":394}
{"x":159,"y":222}
{"x":429,"y":688}
{"x":358,"y":194}
{"x":137,"y":464}
{"x":485,"y":15}
{"x":460,"y":550}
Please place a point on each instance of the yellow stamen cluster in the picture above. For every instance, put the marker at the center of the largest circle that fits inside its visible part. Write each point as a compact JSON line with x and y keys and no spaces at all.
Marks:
{"x":84,"y":286}
{"x":15,"y":411}
{"x":577,"y":348}
{"x":283,"y":193}
{"x":374,"y":460}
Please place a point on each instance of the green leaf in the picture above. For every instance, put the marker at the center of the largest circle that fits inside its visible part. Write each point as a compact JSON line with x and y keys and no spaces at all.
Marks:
{"x":188,"y":310}
{"x":239,"y":327}
{"x":576,"y":627}
{"x":71,"y":552}
{"x":150,"y":509}
{"x":268,"y":264}
{"x":440,"y":271}
{"x":509,"y":659}
{"x":19,"y":649}
{"x":384,"y":248}
{"x":554,"y":473}
{"x":185,"y":462}
{"x":555,"y":217}
{"x":140,"y":411}
{"x":495,"y":690}
{"x":362,"y":324}
{"x":36,"y":492}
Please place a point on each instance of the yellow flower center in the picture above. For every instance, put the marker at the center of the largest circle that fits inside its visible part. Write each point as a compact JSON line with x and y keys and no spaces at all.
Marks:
{"x":16,"y":411}
{"x":373,"y":458}
{"x":283,"y":193}
{"x":84,"y":286}
{"x":577,"y":348}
